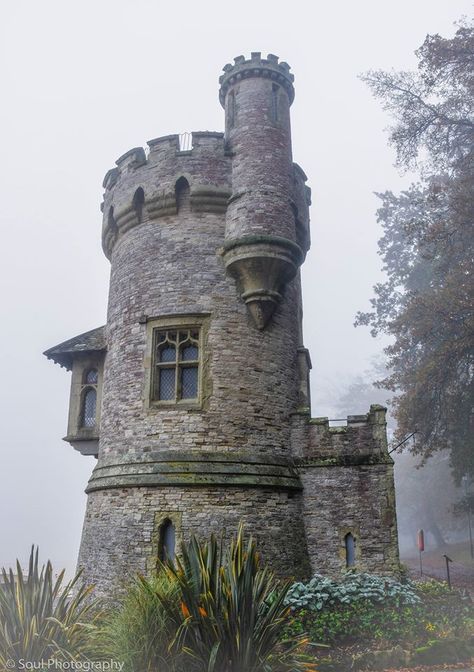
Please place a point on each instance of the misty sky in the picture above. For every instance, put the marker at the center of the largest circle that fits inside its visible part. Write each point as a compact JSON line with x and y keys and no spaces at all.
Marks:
{"x":83,"y":82}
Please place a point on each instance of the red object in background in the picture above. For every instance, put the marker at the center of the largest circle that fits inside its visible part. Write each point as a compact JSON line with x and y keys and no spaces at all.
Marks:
{"x":420,"y":539}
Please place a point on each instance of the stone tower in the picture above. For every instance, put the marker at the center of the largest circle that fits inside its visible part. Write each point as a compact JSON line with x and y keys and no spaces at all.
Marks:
{"x":195,"y":395}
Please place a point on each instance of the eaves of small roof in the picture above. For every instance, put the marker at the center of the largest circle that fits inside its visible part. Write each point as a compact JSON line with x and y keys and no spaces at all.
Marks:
{"x":90,"y":341}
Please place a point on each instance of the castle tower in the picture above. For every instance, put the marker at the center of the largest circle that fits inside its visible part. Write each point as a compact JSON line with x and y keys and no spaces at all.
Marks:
{"x":194,"y":396}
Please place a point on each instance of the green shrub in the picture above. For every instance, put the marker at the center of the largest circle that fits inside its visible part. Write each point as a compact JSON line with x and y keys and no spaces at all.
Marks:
{"x":139,"y":632}
{"x":361,"y":607}
{"x":322,"y":591}
{"x":42,"y":619}
{"x":231,"y":612}
{"x":362,"y":621}
{"x":433,"y":588}
{"x":445,"y":612}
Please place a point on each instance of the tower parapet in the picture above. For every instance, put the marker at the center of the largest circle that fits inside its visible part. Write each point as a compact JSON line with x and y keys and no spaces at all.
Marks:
{"x":206,"y":168}
{"x":256,"y":66}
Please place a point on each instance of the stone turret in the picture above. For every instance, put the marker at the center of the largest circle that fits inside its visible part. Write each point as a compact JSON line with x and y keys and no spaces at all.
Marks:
{"x":261,"y":250}
{"x":195,"y":395}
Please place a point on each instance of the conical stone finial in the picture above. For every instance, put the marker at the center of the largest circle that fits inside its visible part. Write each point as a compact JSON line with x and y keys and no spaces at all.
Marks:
{"x":261,"y":311}
{"x":262,"y":265}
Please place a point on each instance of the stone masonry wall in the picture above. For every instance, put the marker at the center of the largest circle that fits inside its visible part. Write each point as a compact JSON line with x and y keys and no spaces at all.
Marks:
{"x":121,"y":527}
{"x":348,"y":486}
{"x":359,"y":499}
{"x":170,"y":269}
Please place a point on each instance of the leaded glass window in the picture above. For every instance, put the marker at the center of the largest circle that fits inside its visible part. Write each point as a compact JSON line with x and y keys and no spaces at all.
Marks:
{"x":89,"y":407}
{"x":91,"y":377}
{"x":176,"y":364}
{"x":88,"y":414}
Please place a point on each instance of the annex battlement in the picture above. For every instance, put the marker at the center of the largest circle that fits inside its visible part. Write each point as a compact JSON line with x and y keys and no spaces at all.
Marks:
{"x":356,"y":437}
{"x":256,"y":66}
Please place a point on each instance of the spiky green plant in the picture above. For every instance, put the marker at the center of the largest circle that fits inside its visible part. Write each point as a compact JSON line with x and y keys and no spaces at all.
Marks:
{"x":41,"y":618}
{"x":139,"y":631}
{"x":231,"y":611}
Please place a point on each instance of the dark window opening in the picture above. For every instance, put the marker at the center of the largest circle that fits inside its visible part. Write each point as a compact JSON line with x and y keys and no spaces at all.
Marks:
{"x":138,"y":203}
{"x":167,"y":549}
{"x":111,"y":221}
{"x":350,"y":544}
{"x":91,"y":377}
{"x":182,"y":193}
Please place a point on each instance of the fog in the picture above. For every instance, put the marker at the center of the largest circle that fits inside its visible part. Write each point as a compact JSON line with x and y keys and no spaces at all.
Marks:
{"x":84,"y":82}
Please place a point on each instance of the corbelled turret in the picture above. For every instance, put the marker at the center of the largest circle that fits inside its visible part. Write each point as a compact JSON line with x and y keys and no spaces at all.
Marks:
{"x":261,"y":250}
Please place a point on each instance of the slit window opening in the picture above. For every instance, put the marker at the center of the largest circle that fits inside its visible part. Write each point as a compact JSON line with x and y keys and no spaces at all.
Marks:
{"x":168,"y":541}
{"x":350,"y":544}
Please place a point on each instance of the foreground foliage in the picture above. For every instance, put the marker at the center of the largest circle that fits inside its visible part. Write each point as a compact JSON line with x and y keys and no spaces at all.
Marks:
{"x":231,"y":610}
{"x":139,"y":632}
{"x":428,"y":248}
{"x":42,"y":618}
{"x":365,"y":608}
{"x":321,"y":591}
{"x":215,"y":608}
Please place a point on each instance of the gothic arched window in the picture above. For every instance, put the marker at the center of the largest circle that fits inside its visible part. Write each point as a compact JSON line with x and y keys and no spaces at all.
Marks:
{"x":89,"y":398}
{"x":138,"y":203}
{"x":89,"y":406}
{"x":182,"y":193}
{"x":350,"y":546}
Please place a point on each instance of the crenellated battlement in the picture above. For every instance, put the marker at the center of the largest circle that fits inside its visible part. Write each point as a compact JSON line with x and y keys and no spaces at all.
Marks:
{"x":361,"y":439}
{"x":161,"y":148}
{"x":142,"y":186}
{"x":256,"y":66}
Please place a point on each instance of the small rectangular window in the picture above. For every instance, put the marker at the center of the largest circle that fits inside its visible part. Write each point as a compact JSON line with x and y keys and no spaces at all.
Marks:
{"x":176,"y":364}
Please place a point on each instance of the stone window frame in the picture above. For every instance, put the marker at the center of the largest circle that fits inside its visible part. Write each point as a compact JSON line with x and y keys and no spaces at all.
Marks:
{"x":160,"y":519}
{"x":198,"y":321}
{"x":83,"y":363}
